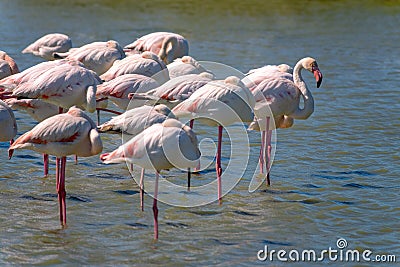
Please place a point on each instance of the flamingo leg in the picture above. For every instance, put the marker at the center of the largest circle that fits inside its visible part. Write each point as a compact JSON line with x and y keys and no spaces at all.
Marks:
{"x":191,"y":123}
{"x":109,"y":110}
{"x":261,"y":158}
{"x":188,"y":179}
{"x":98,"y":117}
{"x":155,"y":209}
{"x":76,"y":160}
{"x":218,"y":164}
{"x":141,"y":186}
{"x":60,"y":169}
{"x":10,"y":152}
{"x":268,"y":150}
{"x":46,"y":164}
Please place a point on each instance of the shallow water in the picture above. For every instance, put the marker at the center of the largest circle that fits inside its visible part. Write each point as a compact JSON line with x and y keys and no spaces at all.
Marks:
{"x":334,"y":175}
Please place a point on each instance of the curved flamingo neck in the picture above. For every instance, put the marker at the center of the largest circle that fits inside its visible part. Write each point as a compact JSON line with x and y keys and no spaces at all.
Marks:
{"x":165,"y":55}
{"x":308,"y":99}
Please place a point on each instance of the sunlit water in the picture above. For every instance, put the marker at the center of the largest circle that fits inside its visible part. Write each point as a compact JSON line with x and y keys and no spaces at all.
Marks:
{"x":334,"y":175}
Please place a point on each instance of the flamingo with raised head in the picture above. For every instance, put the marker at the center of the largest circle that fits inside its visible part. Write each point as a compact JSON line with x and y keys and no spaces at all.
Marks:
{"x":167,"y":45}
{"x":96,"y":56}
{"x":221,"y":103}
{"x":166,"y":145}
{"x":8,"y":124}
{"x":281,"y":97}
{"x":8,"y":66}
{"x":147,"y":64}
{"x":175,"y":90}
{"x":49,"y":44}
{"x":185,"y":65}
{"x":71,"y":133}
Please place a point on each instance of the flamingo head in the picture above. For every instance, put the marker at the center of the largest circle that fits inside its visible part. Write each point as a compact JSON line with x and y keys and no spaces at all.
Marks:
{"x":311,"y":65}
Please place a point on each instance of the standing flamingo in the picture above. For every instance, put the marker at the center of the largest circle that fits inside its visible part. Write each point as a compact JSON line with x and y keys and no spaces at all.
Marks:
{"x":222,"y":103}
{"x":166,"y":145}
{"x":118,"y":89}
{"x":96,"y":56}
{"x":183,"y":66}
{"x":147,"y":64}
{"x":66,"y":84}
{"x":167,"y":45}
{"x":7,"y":123}
{"x":175,"y":90}
{"x":281,"y":97}
{"x":255,"y":76}
{"x":71,"y":133}
{"x":133,"y":122}
{"x":51,"y":43}
{"x":7,"y":65}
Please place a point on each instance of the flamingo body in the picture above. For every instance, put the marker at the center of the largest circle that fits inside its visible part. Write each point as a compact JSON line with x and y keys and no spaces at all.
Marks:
{"x":167,"y":45}
{"x":96,"y":56}
{"x":49,"y":44}
{"x":183,"y":66}
{"x":8,"y":123}
{"x":7,"y":65}
{"x":118,"y":89}
{"x":147,"y":64}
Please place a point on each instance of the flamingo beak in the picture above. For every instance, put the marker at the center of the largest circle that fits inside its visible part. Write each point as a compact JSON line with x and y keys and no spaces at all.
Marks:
{"x":318,"y":76}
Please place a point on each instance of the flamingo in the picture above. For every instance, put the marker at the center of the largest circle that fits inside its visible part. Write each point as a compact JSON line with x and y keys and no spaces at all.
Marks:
{"x":118,"y":89}
{"x":221,"y":102}
{"x":175,"y":90}
{"x":66,"y":84}
{"x":36,"y":108}
{"x":7,"y":65}
{"x":183,"y":66}
{"x":255,"y":76}
{"x":147,"y":64}
{"x":96,"y":56}
{"x":49,"y":44}
{"x":133,"y":122}
{"x":281,"y":97}
{"x":8,"y":124}
{"x":167,"y":45}
{"x":166,"y":145}
{"x":71,"y":133}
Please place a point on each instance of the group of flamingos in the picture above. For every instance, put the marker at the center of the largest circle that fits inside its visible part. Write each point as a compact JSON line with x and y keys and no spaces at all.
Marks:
{"x":156,"y":81}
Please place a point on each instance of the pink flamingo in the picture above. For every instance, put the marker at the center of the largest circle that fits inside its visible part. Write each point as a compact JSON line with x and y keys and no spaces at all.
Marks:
{"x":133,"y":122}
{"x":7,"y":65}
{"x":255,"y":76}
{"x":175,"y":90}
{"x":118,"y":89}
{"x":71,"y":133}
{"x":167,"y":45}
{"x":147,"y":64}
{"x":8,"y":124}
{"x":36,"y":108}
{"x":183,"y":66}
{"x":281,"y":97}
{"x":166,"y":145}
{"x":96,"y":56}
{"x":49,"y":44}
{"x":221,"y":102}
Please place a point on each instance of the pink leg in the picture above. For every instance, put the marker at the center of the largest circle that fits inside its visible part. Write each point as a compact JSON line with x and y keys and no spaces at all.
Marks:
{"x":61,"y":189}
{"x":268,"y":150}
{"x":218,"y":164}
{"x":46,"y":164}
{"x":141,"y":186}
{"x":191,"y":123}
{"x":155,"y":209}
{"x":261,"y":158}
